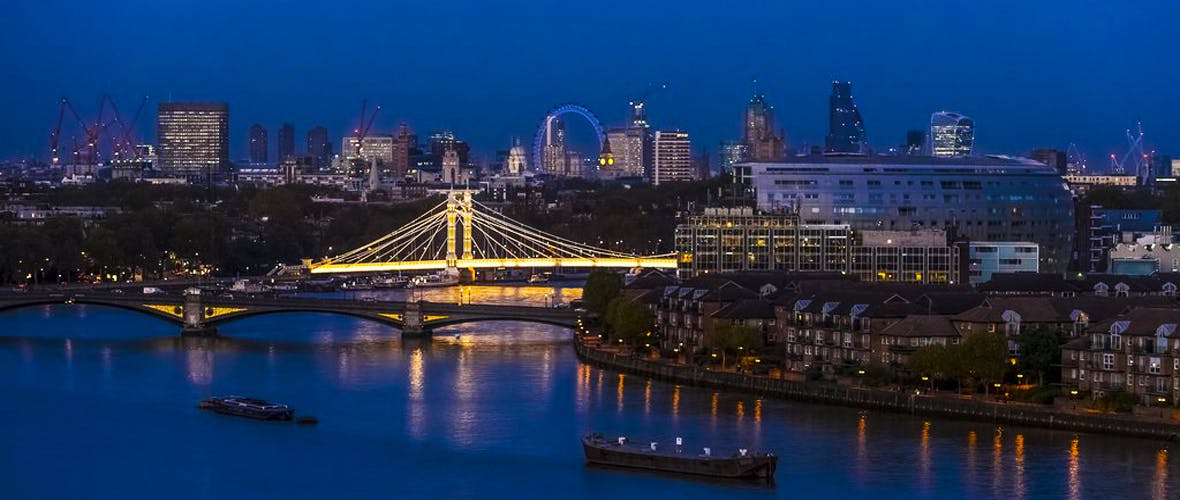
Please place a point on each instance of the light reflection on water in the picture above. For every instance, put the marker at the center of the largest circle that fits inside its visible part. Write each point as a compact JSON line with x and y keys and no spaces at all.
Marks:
{"x":464,"y":416}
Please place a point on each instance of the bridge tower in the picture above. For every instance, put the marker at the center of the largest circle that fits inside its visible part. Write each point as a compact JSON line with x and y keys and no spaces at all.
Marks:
{"x":194,"y":316}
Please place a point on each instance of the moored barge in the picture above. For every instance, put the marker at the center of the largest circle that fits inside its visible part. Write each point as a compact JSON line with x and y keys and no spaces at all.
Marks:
{"x":256,"y":409}
{"x":621,"y":453}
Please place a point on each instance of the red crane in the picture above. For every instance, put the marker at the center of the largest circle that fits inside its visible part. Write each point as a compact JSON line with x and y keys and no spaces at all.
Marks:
{"x":363,"y":130}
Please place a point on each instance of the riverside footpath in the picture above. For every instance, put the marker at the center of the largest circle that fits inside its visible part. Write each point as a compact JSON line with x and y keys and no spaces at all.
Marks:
{"x":876,"y":399}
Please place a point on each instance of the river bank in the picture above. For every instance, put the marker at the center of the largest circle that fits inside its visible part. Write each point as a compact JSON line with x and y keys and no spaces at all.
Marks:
{"x":876,"y":399}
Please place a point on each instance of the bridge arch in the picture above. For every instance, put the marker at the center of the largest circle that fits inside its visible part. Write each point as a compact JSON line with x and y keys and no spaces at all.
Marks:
{"x":62,"y":301}
{"x":255,"y":312}
{"x":543,"y":132}
{"x":475,"y":319}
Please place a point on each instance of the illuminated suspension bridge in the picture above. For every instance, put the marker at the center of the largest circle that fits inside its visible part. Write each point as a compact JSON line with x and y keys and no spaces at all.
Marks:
{"x":461,"y":233}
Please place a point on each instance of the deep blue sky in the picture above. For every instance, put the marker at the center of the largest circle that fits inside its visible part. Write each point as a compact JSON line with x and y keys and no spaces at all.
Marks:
{"x":1032,"y":73}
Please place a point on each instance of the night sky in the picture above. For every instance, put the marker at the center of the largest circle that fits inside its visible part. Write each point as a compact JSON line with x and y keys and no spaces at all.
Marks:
{"x":1031,"y":73}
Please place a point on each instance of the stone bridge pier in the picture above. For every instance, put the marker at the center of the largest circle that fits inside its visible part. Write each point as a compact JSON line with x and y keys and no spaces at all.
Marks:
{"x":413,"y":322}
{"x":194,"y":316}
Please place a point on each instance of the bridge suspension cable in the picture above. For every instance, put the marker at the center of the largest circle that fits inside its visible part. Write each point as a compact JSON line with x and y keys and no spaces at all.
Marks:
{"x":460,"y":232}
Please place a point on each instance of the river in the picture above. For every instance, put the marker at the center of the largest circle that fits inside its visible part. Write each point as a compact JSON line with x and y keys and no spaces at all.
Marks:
{"x":101,"y":403}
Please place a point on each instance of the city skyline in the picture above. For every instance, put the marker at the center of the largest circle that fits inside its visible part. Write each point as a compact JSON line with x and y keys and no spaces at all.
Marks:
{"x":1014,"y":80}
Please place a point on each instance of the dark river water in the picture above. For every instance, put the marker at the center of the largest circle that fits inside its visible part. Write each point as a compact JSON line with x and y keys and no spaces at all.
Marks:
{"x":101,"y":403}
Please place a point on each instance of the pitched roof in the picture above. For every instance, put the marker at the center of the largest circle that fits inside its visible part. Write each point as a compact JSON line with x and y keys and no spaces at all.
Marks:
{"x":1030,"y":309}
{"x":1027,"y":283}
{"x":746,"y":309}
{"x":1141,"y":321}
{"x":922,"y":325}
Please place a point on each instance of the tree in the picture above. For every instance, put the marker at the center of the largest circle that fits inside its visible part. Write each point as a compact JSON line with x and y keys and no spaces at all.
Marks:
{"x":602,"y":286}
{"x":933,"y":361}
{"x":983,"y":357}
{"x":631,"y":321}
{"x":730,"y":338}
{"x":1040,"y":351}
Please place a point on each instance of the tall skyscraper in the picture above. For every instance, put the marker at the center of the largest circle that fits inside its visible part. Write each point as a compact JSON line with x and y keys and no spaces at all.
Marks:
{"x":193,"y":138}
{"x":951,"y":134}
{"x":318,"y":146}
{"x":758,"y":134}
{"x":553,"y":156}
{"x":286,"y":141}
{"x":258,"y":144}
{"x":672,"y":157}
{"x":846,"y":129}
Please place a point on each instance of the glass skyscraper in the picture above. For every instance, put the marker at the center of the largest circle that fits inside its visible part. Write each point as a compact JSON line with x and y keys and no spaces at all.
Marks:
{"x":951,"y":134}
{"x":846,"y":129}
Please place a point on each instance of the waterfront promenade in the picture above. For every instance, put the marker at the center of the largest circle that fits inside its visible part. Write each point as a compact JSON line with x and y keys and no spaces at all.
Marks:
{"x":894,"y":401}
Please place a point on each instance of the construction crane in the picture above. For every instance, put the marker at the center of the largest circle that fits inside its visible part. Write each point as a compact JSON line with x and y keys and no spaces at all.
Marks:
{"x":639,"y":104}
{"x":1135,"y":161}
{"x":55,"y":136}
{"x":122,"y":143}
{"x":362,"y":130}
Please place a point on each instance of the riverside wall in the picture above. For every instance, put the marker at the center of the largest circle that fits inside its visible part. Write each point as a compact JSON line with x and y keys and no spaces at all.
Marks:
{"x":900,"y":402}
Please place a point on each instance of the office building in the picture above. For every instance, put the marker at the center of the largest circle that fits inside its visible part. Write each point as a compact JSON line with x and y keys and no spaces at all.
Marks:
{"x":631,"y":149}
{"x":318,"y":146}
{"x":758,"y":133}
{"x":376,"y":146}
{"x":951,"y":134}
{"x":258,"y":144}
{"x":986,"y":258}
{"x":982,"y":199}
{"x":846,"y":129}
{"x":671,"y":157}
{"x":192,"y":139}
{"x":1054,"y":158}
{"x":722,"y":240}
{"x":286,"y":143}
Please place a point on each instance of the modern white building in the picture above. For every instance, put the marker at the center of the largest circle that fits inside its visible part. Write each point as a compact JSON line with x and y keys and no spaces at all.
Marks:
{"x":976,"y":198}
{"x":989,"y":257}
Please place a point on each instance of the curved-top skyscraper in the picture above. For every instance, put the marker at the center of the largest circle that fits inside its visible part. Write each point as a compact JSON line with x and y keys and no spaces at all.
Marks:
{"x":951,"y":134}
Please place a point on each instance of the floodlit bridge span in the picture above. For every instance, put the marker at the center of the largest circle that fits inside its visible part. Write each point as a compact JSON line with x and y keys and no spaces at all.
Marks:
{"x":461,"y":233}
{"x":200,"y":316}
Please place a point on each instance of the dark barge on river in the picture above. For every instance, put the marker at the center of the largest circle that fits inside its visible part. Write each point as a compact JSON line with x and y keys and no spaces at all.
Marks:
{"x":256,"y":409}
{"x":620,"y":453}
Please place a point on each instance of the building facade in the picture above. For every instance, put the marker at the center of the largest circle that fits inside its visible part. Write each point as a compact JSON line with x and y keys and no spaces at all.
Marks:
{"x":377,"y":146}
{"x":193,"y":139}
{"x":632,"y":149}
{"x":951,"y":134}
{"x":722,"y":240}
{"x":286,"y":143}
{"x":979,"y":199}
{"x":672,"y":157}
{"x":987,"y":258}
{"x":258,"y":144}
{"x":318,"y":146}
